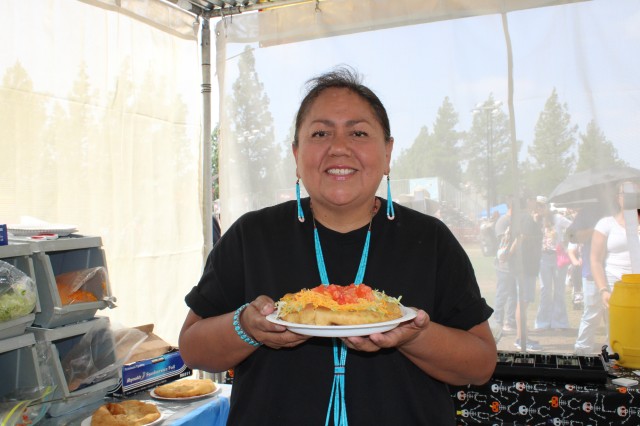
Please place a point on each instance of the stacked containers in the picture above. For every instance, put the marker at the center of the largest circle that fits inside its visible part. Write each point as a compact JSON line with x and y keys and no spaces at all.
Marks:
{"x":67,"y":332}
{"x":23,"y":380}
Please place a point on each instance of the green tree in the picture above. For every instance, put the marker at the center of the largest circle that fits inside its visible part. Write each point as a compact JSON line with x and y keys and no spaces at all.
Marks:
{"x":252,"y":136}
{"x":411,"y":163}
{"x":551,"y":153}
{"x":442,"y":157}
{"x":287,"y":168}
{"x":595,"y":150}
{"x":434,"y":154}
{"x":488,"y":150}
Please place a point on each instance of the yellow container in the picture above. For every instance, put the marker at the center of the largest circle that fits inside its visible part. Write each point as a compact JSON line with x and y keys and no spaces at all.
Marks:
{"x":624,"y":320}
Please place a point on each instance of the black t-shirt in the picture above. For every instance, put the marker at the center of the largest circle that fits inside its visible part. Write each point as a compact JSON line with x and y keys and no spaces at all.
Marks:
{"x":270,"y":252}
{"x":526,"y":256}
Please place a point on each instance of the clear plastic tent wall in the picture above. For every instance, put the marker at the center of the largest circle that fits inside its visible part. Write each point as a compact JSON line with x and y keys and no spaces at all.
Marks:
{"x":488,"y":105}
{"x":100,"y":127}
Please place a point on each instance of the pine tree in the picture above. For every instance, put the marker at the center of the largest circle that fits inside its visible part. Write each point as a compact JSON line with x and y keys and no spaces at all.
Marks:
{"x":442,"y":157}
{"x":488,"y":150}
{"x":595,"y":150}
{"x":252,"y":136}
{"x":411,"y":163}
{"x":551,"y":154}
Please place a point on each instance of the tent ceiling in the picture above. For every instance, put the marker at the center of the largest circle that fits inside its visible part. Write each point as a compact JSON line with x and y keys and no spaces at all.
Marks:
{"x":221,"y":8}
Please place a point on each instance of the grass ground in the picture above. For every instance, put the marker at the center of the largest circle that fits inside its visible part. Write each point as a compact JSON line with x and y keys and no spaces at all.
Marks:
{"x":553,"y":341}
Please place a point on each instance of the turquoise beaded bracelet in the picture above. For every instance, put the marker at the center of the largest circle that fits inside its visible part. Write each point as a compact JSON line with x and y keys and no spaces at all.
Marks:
{"x":236,"y":325}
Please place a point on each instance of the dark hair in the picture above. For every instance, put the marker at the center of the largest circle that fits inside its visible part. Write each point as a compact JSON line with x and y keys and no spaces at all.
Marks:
{"x":343,"y":77}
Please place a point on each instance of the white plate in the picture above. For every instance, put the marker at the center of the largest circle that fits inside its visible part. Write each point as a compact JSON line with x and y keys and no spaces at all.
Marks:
{"x":189,"y":398}
{"x":345,"y":330}
{"x":87,"y":421}
{"x":62,"y":230}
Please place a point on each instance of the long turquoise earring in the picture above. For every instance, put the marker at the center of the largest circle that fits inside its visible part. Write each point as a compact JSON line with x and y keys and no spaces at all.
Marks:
{"x":390,"y":212}
{"x":300,"y":212}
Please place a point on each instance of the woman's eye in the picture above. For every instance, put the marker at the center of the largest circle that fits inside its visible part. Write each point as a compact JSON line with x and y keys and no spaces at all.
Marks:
{"x":319,"y":134}
{"x":359,"y":133}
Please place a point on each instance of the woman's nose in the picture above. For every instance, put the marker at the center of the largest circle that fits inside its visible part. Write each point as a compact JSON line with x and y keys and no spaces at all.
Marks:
{"x":340,"y":144}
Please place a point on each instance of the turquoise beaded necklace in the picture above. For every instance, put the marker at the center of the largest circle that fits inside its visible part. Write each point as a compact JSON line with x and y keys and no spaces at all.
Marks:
{"x":337,"y":400}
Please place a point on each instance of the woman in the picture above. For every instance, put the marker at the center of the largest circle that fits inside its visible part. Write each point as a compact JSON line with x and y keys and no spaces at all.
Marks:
{"x":342,"y":149}
{"x":552,"y":310}
{"x":610,"y":255}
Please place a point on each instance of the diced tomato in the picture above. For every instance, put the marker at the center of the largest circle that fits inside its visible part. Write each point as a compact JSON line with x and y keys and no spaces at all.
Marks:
{"x":346,"y":294}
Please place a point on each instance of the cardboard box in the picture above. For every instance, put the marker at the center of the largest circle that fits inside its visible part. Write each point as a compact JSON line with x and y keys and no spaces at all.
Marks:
{"x":152,"y":363}
{"x":149,"y":373}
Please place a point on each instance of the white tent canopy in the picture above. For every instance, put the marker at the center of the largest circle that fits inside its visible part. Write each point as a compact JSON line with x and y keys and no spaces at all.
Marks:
{"x":103,"y":117}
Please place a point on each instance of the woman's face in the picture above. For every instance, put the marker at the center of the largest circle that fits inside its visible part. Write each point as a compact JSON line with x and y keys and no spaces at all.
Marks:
{"x":341,"y":154}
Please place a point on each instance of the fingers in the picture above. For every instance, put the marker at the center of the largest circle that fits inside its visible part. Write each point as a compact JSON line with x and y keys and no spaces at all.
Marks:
{"x":264,"y":305}
{"x":272,"y":335}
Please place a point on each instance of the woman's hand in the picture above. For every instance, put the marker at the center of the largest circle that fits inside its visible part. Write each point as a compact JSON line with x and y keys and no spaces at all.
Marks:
{"x":255,"y":323}
{"x":605,"y":295}
{"x":405,"y":332}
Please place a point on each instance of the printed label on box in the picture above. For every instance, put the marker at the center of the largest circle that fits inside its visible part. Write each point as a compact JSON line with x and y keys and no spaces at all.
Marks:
{"x":142,"y":375}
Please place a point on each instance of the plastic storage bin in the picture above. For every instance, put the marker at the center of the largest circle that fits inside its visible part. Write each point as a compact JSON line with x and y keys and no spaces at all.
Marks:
{"x":22,"y":380}
{"x":18,"y":255}
{"x":62,"y":341}
{"x":55,"y":257}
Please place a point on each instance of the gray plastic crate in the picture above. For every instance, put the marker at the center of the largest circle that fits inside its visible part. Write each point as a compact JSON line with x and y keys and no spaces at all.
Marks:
{"x":60,"y":342}
{"x":55,"y":257}
{"x":23,"y":380}
{"x":18,"y":255}
{"x":19,"y":364}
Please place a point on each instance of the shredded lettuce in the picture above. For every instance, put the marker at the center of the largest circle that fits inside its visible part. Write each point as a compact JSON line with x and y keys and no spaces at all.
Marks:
{"x":19,"y":301}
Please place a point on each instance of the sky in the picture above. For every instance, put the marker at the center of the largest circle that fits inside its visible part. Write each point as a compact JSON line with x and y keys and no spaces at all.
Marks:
{"x":588,"y":52}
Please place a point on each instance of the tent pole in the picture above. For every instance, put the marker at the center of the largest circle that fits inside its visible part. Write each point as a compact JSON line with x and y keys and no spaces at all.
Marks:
{"x":207,"y":228}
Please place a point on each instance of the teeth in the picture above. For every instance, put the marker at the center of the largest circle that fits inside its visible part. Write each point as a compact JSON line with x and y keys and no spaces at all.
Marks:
{"x":340,"y":171}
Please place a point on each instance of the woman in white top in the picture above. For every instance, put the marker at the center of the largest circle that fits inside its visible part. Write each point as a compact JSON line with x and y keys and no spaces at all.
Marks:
{"x":610,"y":256}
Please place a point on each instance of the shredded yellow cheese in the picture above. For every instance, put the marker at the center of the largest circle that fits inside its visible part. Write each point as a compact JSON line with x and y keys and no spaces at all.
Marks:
{"x":298,"y":301}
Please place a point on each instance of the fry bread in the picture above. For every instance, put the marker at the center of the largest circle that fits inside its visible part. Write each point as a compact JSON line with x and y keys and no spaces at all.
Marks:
{"x":125,"y":413}
{"x":185,"y":388}
{"x":338,"y":305}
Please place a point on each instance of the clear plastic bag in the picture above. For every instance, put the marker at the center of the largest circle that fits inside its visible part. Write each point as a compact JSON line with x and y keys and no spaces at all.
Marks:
{"x":27,"y":405}
{"x":99,"y":355}
{"x":18,"y":293}
{"x":85,"y":285}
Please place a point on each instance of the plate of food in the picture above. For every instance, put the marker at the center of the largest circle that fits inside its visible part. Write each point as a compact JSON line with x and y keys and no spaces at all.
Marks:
{"x":345,"y":330}
{"x":186,"y":390}
{"x":125,"y":412}
{"x":340,"y":311}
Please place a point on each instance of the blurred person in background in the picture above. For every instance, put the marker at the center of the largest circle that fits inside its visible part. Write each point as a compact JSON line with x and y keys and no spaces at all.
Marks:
{"x":580,"y":232}
{"x":574,"y":274}
{"x":504,"y":315}
{"x":610,"y":255}
{"x":552,"y":310}
{"x":524,"y":262}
